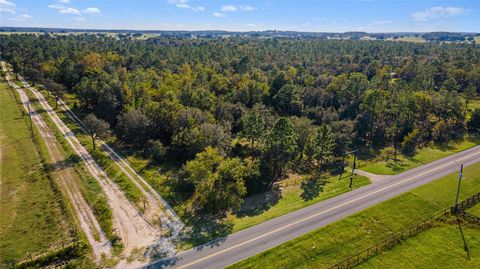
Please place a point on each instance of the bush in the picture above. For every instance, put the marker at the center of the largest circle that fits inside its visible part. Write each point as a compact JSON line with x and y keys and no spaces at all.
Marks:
{"x":441,"y":132}
{"x":387,"y":153}
{"x":409,"y":143}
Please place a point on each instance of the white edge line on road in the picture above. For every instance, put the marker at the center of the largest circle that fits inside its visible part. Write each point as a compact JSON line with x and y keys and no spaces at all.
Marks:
{"x":321,"y":213}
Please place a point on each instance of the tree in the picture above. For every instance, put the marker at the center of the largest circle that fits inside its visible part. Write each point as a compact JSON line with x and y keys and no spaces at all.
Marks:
{"x":373,"y":103}
{"x":133,"y":127}
{"x":287,"y":101}
{"x":17,"y":64}
{"x":33,"y":74}
{"x":277,"y":83}
{"x":324,"y":144}
{"x":191,"y":141}
{"x":68,"y":75}
{"x":469,"y":94}
{"x":304,"y":129}
{"x":155,"y":150}
{"x":450,"y":85}
{"x":218,"y":182}
{"x":96,"y":127}
{"x":281,"y":148}
{"x":253,"y":127}
{"x":474,"y":122}
{"x":56,"y":89}
{"x":343,"y":132}
{"x":409,"y":143}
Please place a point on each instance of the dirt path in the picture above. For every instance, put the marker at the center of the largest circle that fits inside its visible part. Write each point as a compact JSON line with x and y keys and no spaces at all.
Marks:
{"x":66,"y":178}
{"x":157,"y":205}
{"x":135,"y":231}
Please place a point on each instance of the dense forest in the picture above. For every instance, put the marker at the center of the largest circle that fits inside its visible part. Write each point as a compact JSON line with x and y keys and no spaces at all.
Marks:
{"x":232,"y":116}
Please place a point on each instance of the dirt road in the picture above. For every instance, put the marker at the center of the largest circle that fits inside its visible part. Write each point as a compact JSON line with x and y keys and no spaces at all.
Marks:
{"x":158,"y":206}
{"x":67,"y":179}
{"x":134,"y":230}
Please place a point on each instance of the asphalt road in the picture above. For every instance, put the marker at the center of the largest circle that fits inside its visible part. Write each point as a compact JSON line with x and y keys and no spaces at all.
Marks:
{"x":256,"y":239}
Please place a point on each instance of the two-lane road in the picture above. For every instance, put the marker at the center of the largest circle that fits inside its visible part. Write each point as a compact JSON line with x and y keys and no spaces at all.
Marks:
{"x":256,"y":239}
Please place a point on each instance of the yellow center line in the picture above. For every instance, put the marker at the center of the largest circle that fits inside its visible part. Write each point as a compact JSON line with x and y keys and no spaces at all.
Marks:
{"x":319,"y":213}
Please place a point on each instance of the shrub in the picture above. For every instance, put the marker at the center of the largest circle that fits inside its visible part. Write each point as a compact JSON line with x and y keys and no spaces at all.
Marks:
{"x":409,"y":143}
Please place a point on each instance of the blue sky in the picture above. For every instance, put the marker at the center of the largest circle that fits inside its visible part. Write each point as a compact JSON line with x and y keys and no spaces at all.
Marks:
{"x":297,"y":15}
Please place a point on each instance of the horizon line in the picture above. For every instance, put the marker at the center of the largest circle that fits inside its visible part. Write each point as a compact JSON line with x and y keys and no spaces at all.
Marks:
{"x":231,"y":31}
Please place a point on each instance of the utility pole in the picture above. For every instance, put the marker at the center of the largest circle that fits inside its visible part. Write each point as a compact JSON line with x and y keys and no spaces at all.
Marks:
{"x":460,"y":175}
{"x":343,"y":161}
{"x":353,"y":168}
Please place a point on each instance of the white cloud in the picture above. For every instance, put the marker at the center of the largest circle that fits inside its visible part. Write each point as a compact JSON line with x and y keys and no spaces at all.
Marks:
{"x":70,"y":10}
{"x":251,"y":25}
{"x":229,"y":8}
{"x":22,"y":18}
{"x":246,"y":8}
{"x":198,"y":9}
{"x":91,"y":10}
{"x":7,"y":6}
{"x":438,"y":12}
{"x":5,"y":3}
{"x":177,"y":1}
{"x":55,"y":6}
{"x":185,"y":5}
{"x":219,"y":15}
{"x":233,"y":8}
{"x":64,"y":1}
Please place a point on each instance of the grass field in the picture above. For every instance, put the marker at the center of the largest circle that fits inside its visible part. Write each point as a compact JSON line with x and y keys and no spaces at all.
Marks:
{"x":423,"y":156}
{"x":475,"y":210}
{"x":292,"y":200}
{"x":32,"y":216}
{"x":440,"y":247}
{"x":409,"y":39}
{"x":327,"y":245}
{"x":477,"y":39}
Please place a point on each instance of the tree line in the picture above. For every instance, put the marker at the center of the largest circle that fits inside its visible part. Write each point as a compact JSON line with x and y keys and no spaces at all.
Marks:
{"x":235,"y":115}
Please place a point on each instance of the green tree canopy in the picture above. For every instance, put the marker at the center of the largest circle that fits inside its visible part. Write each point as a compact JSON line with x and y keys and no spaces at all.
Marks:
{"x":218,"y":182}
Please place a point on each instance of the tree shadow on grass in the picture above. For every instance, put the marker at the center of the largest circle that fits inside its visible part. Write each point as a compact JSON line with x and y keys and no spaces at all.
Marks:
{"x":207,"y":231}
{"x":312,"y":188}
{"x":444,"y":146}
{"x":259,"y":203}
{"x":399,"y":165}
{"x":65,"y":163}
